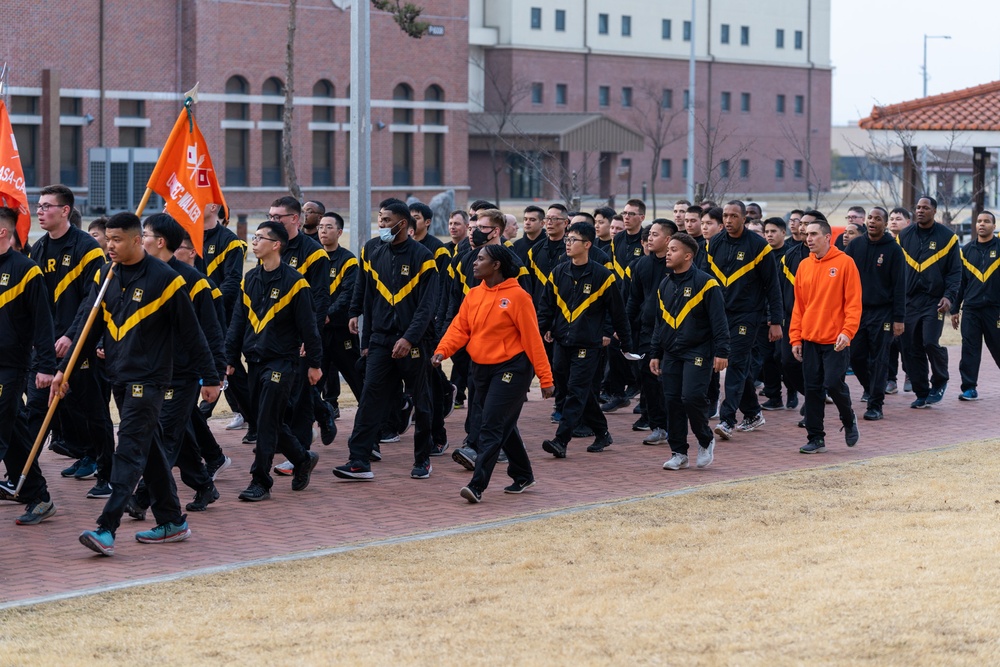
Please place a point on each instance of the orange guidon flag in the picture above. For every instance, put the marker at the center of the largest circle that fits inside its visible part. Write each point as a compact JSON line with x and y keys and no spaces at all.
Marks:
{"x":12,"y":193}
{"x":185,"y":178}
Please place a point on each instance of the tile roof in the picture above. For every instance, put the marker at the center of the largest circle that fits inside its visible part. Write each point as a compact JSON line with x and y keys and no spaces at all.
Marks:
{"x":976,"y":108}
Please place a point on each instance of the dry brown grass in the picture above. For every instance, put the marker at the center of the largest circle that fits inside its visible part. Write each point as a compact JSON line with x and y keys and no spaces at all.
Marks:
{"x":892,"y":561}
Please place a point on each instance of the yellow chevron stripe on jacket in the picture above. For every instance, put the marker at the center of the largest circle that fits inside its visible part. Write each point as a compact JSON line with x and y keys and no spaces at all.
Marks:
{"x":199,"y":286}
{"x":94,"y":255}
{"x":118,"y":331}
{"x":335,"y":283}
{"x":542,"y":278}
{"x":258,"y":323}
{"x":740,"y":272}
{"x":587,"y":303}
{"x":316,"y":256}
{"x":221,"y":257}
{"x":980,"y":275}
{"x":788,"y":272}
{"x":675,"y":322}
{"x":393,"y":299}
{"x":920,"y":267}
{"x":18,"y":289}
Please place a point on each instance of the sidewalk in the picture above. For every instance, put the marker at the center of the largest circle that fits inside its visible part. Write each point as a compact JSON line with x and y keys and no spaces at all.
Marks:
{"x":47,"y":559}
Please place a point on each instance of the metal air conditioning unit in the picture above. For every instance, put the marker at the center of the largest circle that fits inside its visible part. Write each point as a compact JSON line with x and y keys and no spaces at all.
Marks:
{"x":117,"y":178}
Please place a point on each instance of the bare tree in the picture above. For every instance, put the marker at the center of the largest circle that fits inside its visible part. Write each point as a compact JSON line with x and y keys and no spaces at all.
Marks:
{"x":655,"y":122}
{"x":802,"y":149}
{"x":722,"y":155}
{"x":287,"y":159}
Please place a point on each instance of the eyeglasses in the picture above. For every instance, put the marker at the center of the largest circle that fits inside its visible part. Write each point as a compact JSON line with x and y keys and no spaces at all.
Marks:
{"x":630,"y":213}
{"x":189,"y":248}
{"x":46,"y":207}
{"x":276,"y":217}
{"x":570,"y":240}
{"x":257,"y":238}
{"x":486,"y":230}
{"x":854,"y":216}
{"x":552,"y":218}
{"x":150,"y":235}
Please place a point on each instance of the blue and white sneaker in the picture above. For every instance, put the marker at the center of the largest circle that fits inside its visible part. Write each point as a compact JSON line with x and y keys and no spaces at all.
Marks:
{"x":165,"y":532}
{"x":969,"y":395}
{"x":936,"y":394}
{"x":100,"y":540}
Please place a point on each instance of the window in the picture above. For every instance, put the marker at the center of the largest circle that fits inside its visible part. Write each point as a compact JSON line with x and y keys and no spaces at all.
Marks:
{"x":536,"y":93}
{"x":402,"y":115}
{"x":725,"y":104}
{"x":26,"y":137}
{"x":667,"y":99}
{"x":561,"y":94}
{"x":724,"y":169}
{"x":237,"y":85}
{"x":402,"y":142}
{"x":724,"y":33}
{"x":684,"y":168}
{"x":322,"y":140}
{"x":665,"y":168}
{"x":70,"y":142}
{"x":744,"y":168}
{"x":536,"y":18}
{"x":627,"y":97}
{"x":745,"y":102}
{"x":665,"y":28}
{"x":626,"y":26}
{"x":798,"y":40}
{"x":271,"y":173}
{"x":779,"y":39}
{"x":687,"y":99}
{"x":237,"y":139}
{"x":797,"y":168}
{"x":276,"y":109}
{"x":745,"y":35}
{"x":602,"y":24}
{"x":560,"y":20}
{"x":779,"y":169}
{"x":434,"y":116}
{"x":131,"y":137}
{"x":604,"y":96}
{"x":687,"y":31}
{"x":780,"y":104}
{"x":800,"y":104}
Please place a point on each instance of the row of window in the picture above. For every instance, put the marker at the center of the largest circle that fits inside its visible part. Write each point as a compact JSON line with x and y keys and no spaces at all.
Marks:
{"x":666,"y":29}
{"x":798,"y":169}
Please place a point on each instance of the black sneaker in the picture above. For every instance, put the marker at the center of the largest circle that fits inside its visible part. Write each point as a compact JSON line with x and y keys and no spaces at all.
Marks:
{"x":336,"y":411}
{"x":250,"y":438}
{"x":101,"y":490}
{"x":354,"y":470}
{"x":919,"y":404}
{"x":637,"y":410}
{"x":451,"y":401}
{"x":327,"y":427}
{"x":407,"y":414}
{"x":816,"y":446}
{"x":937,"y":393}
{"x":376,"y":452}
{"x":601,"y":443}
{"x":583,"y":432}
{"x":439,"y":449}
{"x":793,"y":401}
{"x":203,"y":499}
{"x":422,"y":470}
{"x":801,"y":423}
{"x":300,"y":480}
{"x":216,"y":467}
{"x":70,"y":471}
{"x":134,"y":509}
{"x":519,"y":485}
{"x":7,"y":489}
{"x":773,"y":404}
{"x":555,"y":448}
{"x":502,"y":457}
{"x":641,"y":424}
{"x":615,"y":403}
{"x":255,"y":493}
{"x":851,"y":433}
{"x":59,"y":446}
{"x":465,"y":457}
{"x":631,"y":392}
{"x":472,"y":495}
{"x":36,"y":513}
{"x":87,"y":469}
{"x":865,"y":397}
{"x":872,"y":415}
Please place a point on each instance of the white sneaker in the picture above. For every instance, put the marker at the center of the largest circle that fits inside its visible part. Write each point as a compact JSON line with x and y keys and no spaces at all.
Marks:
{"x":706,"y":455}
{"x":286,"y":468}
{"x":237,"y":423}
{"x":676,"y":462}
{"x":657,"y":437}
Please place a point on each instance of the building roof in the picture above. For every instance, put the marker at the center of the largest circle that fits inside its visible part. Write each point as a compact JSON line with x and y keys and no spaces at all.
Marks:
{"x":976,"y":108}
{"x":555,"y":131}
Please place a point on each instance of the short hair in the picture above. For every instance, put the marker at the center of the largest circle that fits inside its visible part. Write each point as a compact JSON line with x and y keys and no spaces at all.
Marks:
{"x":644,"y":234}
{"x":707,"y":204}
{"x":794,"y":211}
{"x":737,"y":202}
{"x":666,"y":223}
{"x":62,"y":194}
{"x":687,"y":240}
{"x":397,"y":207}
{"x":989,"y":213}
{"x":857,"y":209}
{"x":481,"y":205}
{"x":382,"y":204}
{"x":755,"y":205}
{"x":755,"y":222}
{"x":319,"y":205}
{"x":588,"y":216}
{"x":777,"y":222}
{"x":860,"y":226}
{"x":902,"y":211}
{"x":680,"y":202}
{"x":125,"y":221}
{"x":75,"y":217}
{"x":336,"y":218}
{"x":559,"y":207}
{"x":277,"y":229}
{"x":423,"y":209}
{"x":289,"y":203}
{"x":822,"y":222}
{"x":619,"y":217}
{"x":222,"y":213}
{"x":164,"y":226}
{"x":694,"y":208}
{"x":98,"y":223}
{"x":639,"y":204}
{"x":498,"y":252}
{"x":535,"y":209}
{"x":885,"y":214}
{"x":813,"y":213}
{"x":8,"y":217}
{"x":584,"y":229}
{"x":494,"y":217}
{"x":462,"y":214}
{"x":930,"y":199}
{"x":606,"y":211}
{"x":715,"y":213}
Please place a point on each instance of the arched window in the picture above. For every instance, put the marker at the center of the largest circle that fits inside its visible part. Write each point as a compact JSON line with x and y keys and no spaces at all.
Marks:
{"x":402,"y":142}
{"x":271,"y":112}
{"x":434,"y":116}
{"x":237,"y":85}
{"x":402,"y":116}
{"x":433,"y":141}
{"x":237,"y":138}
{"x":323,"y":139}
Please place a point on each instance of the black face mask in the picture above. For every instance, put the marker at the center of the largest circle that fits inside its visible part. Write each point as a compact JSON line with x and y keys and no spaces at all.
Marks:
{"x":479,"y":237}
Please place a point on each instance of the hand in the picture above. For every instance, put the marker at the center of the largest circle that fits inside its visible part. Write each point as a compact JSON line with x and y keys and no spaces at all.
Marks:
{"x":230,"y":370}
{"x":797,"y":352}
{"x":42,"y":380}
{"x":605,"y":341}
{"x":57,"y":387}
{"x":548,"y":336}
{"x":62,"y":346}
{"x":437,"y":359}
{"x":302,"y":350}
{"x":352,"y":325}
{"x":210,"y":394}
{"x":774,"y":332}
{"x":654,"y":366}
{"x":548,"y":392}
{"x":720,"y":364}
{"x":897,"y":329}
{"x":327,"y":320}
{"x":954,"y":321}
{"x":364,"y":352}
{"x":401,"y":348}
{"x":99,"y":352}
{"x":315,"y":375}
{"x":944,"y":305}
{"x":842,"y":343}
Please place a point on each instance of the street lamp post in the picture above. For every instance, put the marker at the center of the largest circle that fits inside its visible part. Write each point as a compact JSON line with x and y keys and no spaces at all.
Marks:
{"x":926,"y":37}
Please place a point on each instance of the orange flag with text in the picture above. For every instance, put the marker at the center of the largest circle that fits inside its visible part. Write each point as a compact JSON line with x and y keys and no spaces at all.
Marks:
{"x":185,"y":178}
{"x":12,"y":192}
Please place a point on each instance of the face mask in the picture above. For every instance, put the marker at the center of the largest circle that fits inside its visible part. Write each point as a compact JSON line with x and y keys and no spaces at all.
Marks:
{"x":386,"y":233}
{"x":479,"y":237}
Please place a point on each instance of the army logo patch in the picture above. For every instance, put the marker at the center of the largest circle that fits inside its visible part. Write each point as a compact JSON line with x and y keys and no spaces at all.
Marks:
{"x":504,"y":303}
{"x":698,"y":361}
{"x":275,"y":377}
{"x":333,"y":273}
{"x":743,"y":330}
{"x":414,"y":353}
{"x":85,"y":365}
{"x":687,"y":291}
{"x":293,"y":262}
{"x":586,"y":288}
{"x":348,"y":345}
{"x":879,"y":262}
{"x":582,"y":354}
{"x":998,"y":324}
{"x":507,"y":377}
{"x":137,"y":295}
{"x":168,"y":395}
{"x":4,"y":280}
{"x":940,"y":316}
{"x":211,"y":250}
{"x":1,"y":390}
{"x":740,"y":256}
{"x":67,"y":260}
{"x":637,"y":252}
{"x":932,"y":245}
{"x":404,"y":270}
{"x":993,"y":253}
{"x":137,"y":391}
{"x":275,"y":293}
{"x":886,"y":326}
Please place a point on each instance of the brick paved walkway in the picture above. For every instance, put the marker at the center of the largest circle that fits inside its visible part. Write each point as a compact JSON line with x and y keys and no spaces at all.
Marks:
{"x":48,"y":560}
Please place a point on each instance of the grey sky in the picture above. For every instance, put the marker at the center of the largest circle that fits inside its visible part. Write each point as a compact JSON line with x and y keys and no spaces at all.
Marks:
{"x":877,"y":50}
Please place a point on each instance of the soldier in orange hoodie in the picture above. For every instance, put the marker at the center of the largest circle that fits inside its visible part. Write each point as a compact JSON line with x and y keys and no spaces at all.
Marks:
{"x":825,"y":317}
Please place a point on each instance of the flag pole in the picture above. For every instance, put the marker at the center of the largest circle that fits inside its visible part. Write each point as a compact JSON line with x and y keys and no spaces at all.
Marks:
{"x":72,"y":361}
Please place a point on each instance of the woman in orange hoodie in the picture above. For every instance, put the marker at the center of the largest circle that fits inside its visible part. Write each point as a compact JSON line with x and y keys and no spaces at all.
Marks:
{"x":498,"y":327}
